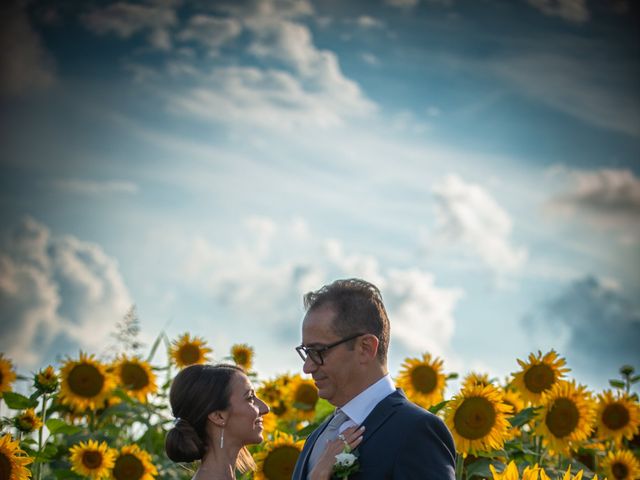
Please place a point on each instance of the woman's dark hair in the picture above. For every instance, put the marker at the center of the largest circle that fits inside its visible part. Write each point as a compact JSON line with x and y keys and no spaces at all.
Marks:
{"x":195,"y":392}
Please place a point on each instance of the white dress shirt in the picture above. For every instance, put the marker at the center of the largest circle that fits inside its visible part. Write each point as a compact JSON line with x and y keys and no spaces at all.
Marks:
{"x":359,"y":407}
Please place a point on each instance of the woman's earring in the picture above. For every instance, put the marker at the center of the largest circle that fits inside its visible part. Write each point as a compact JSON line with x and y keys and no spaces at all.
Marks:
{"x":222,"y":437}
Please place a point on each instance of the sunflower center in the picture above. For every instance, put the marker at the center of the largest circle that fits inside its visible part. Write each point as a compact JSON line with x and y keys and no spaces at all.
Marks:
{"x":424,"y":379}
{"x":279,"y":408}
{"x":92,"y":459}
{"x":615,"y":416}
{"x":85,"y":380}
{"x":562,"y":418}
{"x":5,"y":467}
{"x":619,"y":470}
{"x":241,"y":357}
{"x":539,"y":378}
{"x":306,"y":396}
{"x":133,"y":376}
{"x":128,"y":467}
{"x":190,"y":354}
{"x":474,"y":418}
{"x":280,"y":462}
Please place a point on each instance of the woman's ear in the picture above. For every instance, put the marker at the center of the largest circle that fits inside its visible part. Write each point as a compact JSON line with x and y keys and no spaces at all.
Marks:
{"x":218,"y":418}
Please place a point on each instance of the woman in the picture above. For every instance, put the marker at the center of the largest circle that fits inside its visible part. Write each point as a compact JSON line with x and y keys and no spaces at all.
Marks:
{"x":217,"y":414}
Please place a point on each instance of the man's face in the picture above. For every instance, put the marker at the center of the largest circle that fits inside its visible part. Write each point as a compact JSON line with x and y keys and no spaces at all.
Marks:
{"x":335,"y":378}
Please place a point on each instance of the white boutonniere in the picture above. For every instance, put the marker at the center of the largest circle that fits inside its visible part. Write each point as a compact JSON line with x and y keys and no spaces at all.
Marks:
{"x":346,"y":464}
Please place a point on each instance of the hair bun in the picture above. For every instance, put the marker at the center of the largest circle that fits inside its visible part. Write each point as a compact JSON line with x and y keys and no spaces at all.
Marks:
{"x":183,"y":444}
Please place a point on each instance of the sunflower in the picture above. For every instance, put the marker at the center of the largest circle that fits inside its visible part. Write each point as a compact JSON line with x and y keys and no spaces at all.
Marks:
{"x":621,"y":465}
{"x":273,"y":393}
{"x":474,"y":378}
{"x":92,"y":459}
{"x":28,"y":421}
{"x":566,"y":417}
{"x":512,"y":399}
{"x":539,"y":375}
{"x":186,"y":351}
{"x":422,"y":380}
{"x":302,"y":396}
{"x":617,"y":416}
{"x":510,"y":472}
{"x":243,"y":355}
{"x":477,"y":419}
{"x":135,"y":377}
{"x":7,"y":374}
{"x":86,"y":383}
{"x":46,"y":380}
{"x":133,"y":463}
{"x":13,"y":460}
{"x":278,"y":458}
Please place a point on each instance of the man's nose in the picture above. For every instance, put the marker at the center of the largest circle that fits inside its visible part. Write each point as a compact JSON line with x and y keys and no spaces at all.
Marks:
{"x":309,"y":366}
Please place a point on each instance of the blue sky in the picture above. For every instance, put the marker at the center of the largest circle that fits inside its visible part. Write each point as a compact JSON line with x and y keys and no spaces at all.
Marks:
{"x":210,"y":162}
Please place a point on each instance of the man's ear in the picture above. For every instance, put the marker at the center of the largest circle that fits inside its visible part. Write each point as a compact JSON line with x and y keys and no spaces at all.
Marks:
{"x":218,"y":418}
{"x":369,"y":346}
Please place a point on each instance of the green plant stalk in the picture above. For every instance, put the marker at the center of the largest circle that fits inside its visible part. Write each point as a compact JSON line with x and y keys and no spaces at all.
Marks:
{"x":41,"y":434}
{"x":459,"y":466}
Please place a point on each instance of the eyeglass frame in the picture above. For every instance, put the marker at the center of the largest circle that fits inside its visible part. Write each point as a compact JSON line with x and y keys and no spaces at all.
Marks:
{"x":303,"y":350}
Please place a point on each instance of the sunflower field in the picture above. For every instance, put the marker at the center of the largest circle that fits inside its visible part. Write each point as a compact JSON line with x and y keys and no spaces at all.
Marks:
{"x":106,"y":418}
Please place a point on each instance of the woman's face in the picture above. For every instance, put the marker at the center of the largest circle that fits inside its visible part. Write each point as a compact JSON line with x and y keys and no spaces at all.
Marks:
{"x":245,"y":412}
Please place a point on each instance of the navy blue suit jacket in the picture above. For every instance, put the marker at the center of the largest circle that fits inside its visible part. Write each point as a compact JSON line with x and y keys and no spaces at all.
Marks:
{"x":401,"y":442}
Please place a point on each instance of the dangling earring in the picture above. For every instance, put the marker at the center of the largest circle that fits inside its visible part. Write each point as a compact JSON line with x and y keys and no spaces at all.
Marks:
{"x":222,"y":437}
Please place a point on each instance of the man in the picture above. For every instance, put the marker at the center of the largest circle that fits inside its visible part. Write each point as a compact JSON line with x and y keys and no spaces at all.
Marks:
{"x":345,"y":337}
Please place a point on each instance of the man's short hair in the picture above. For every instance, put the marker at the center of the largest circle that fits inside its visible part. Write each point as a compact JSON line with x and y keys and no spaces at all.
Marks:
{"x":358,"y":307}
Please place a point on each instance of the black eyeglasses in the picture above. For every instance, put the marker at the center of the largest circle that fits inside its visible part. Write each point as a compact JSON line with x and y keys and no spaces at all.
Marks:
{"x":315,"y":354}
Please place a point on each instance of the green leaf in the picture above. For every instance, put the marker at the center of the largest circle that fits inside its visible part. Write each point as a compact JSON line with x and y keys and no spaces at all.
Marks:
{"x":634,"y":379}
{"x":154,"y":347}
{"x":439,"y":406}
{"x":627,"y":370}
{"x":522,"y":417}
{"x":15,"y":401}
{"x":479,"y":468}
{"x":616,"y":383}
{"x":57,"y":426}
{"x":451,"y":376}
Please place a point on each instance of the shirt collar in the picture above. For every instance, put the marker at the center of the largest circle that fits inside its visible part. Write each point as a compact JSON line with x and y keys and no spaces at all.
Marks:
{"x":359,"y":407}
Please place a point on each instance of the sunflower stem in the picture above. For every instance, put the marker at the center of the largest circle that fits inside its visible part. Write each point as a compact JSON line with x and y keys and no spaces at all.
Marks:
{"x":40,"y":435}
{"x":459,"y":467}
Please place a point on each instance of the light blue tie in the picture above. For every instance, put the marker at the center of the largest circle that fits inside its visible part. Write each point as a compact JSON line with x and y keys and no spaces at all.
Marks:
{"x":329,"y":433}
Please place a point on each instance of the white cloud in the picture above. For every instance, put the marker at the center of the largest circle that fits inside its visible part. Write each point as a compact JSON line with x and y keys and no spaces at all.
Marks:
{"x":571,"y":10}
{"x":24,"y":61}
{"x":212,"y":32}
{"x":272,"y":99}
{"x":469,"y":217}
{"x":126,"y":19}
{"x":365,"y":21}
{"x":58,"y":294}
{"x":603,"y":198}
{"x":91,"y":187}
{"x":371,"y":59}
{"x":267,"y":272}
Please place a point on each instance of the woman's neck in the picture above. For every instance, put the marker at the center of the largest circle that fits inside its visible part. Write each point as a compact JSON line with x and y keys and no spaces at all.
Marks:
{"x":218,"y":464}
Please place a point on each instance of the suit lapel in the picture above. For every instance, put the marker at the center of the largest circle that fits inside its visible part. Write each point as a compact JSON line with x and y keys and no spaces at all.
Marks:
{"x":381,"y":413}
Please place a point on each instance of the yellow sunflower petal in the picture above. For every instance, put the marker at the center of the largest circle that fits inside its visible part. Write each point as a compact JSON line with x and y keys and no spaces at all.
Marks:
{"x":422,"y":380}
{"x":243,"y":356}
{"x":566,"y":418}
{"x":477,"y":418}
{"x":136,"y":377}
{"x":13,"y":459}
{"x":186,"y":351}
{"x":86,"y":383}
{"x":618,"y":416}
{"x":92,"y":459}
{"x":538,"y":375}
{"x":133,"y":463}
{"x":7,"y":374}
{"x":277,"y":460}
{"x":621,"y":465}
{"x":302,"y":396}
